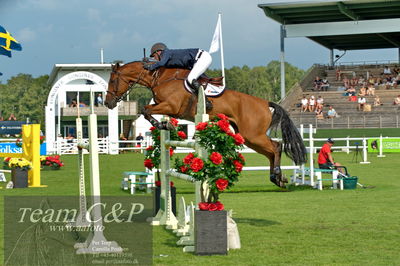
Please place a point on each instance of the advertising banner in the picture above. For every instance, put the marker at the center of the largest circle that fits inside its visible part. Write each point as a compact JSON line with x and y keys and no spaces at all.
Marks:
{"x":388,"y":145}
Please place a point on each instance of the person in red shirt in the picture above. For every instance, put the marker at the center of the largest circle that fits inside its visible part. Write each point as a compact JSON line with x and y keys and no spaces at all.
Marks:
{"x":325,"y":159}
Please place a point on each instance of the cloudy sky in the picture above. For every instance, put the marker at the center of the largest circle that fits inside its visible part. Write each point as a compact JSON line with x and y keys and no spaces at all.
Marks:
{"x":59,"y":31}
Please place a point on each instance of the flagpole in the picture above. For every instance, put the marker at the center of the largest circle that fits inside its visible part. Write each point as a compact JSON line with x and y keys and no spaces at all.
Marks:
{"x":222,"y":49}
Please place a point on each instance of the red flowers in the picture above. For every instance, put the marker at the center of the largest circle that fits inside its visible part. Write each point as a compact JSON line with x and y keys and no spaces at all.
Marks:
{"x":222,"y":184}
{"x":171,"y":151}
{"x":184,"y":169}
{"x":201,"y":126}
{"x":197,"y":164}
{"x":238,"y":166}
{"x":152,"y":128}
{"x":216,"y":158}
{"x":222,"y":117}
{"x":174,"y":122}
{"x":239,"y":140}
{"x":182,"y":134}
{"x":150,"y":148}
{"x":205,"y":206}
{"x":224,"y":125}
{"x":148,"y":163}
{"x":188,"y":159}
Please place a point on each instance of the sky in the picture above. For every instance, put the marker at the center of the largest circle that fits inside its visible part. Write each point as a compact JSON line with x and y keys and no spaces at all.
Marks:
{"x":67,"y":32}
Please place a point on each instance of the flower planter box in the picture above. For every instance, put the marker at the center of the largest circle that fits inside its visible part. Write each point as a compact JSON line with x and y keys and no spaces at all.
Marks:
{"x":19,"y":177}
{"x":210,"y":232}
{"x":156,"y":201}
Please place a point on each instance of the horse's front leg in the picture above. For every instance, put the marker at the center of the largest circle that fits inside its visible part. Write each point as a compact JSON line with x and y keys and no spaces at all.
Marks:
{"x":164,"y":109}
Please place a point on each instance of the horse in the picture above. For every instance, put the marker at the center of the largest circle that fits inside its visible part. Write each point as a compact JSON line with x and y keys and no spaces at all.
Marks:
{"x":248,"y":115}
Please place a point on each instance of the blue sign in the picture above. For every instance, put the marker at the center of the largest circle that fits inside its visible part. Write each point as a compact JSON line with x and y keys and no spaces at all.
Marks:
{"x":11,"y":147}
{"x":11,"y":127}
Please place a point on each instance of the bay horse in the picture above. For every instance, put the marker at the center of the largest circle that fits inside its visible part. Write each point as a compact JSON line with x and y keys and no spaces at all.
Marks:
{"x":248,"y":115}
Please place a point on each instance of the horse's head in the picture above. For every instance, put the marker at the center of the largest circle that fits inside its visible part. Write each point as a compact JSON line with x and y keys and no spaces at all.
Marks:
{"x":122,"y":78}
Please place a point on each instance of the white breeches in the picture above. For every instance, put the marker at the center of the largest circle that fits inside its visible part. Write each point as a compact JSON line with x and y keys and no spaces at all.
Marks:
{"x":203,"y":62}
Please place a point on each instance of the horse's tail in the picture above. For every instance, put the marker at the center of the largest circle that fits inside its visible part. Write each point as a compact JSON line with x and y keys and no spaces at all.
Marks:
{"x":292,"y":142}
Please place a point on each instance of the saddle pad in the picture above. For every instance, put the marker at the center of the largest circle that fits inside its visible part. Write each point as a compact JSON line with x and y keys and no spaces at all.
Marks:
{"x":211,"y":90}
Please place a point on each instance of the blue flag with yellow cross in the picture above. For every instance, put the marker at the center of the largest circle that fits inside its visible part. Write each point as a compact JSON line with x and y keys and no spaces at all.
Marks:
{"x":8,"y":43}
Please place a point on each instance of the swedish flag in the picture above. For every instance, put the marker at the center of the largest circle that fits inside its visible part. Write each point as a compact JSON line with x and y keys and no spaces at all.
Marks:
{"x":8,"y":43}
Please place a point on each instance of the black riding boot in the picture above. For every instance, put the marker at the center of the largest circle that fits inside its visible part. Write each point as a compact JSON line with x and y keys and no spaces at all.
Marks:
{"x":196,"y":85}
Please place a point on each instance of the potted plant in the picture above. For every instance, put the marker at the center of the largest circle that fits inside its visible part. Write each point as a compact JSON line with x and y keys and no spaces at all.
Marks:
{"x":53,"y":162}
{"x":220,"y":170}
{"x":152,"y":160}
{"x":19,"y":171}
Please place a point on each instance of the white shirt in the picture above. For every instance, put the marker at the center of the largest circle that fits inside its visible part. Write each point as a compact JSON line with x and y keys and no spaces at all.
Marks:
{"x":361,"y":100}
{"x":312,"y":102}
{"x":304,"y":101}
{"x":320,"y":100}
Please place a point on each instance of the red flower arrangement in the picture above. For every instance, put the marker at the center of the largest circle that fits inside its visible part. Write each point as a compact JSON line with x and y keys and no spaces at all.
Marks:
{"x":53,"y":161}
{"x":153,"y":153}
{"x":221,"y":169}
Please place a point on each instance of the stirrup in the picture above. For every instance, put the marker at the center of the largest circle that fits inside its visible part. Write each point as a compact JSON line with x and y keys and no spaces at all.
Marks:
{"x":195,"y":85}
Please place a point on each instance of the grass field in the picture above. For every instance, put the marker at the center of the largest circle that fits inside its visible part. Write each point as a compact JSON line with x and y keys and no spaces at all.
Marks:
{"x":288,"y":227}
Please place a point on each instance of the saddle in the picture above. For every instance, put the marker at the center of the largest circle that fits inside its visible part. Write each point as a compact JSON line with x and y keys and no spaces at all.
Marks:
{"x":204,"y":80}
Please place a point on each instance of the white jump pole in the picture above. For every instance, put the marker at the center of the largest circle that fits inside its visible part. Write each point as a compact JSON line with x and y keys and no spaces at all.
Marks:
{"x":381,"y":147}
{"x":97,"y":243}
{"x":311,"y":144}
{"x":302,"y":166}
{"x":364,"y":152}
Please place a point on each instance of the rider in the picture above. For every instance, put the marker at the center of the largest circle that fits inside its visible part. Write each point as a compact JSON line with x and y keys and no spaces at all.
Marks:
{"x":196,"y":60}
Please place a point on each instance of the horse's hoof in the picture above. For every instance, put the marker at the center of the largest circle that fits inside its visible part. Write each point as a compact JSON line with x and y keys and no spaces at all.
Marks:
{"x":280,"y":181}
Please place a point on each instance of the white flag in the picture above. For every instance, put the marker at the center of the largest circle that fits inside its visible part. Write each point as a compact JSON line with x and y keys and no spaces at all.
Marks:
{"x":215,"y":43}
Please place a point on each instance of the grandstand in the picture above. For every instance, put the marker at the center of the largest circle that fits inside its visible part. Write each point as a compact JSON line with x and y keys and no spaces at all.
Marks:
{"x":341,"y":25}
{"x":384,"y":116}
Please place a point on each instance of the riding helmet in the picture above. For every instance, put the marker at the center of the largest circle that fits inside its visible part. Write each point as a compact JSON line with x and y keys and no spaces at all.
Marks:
{"x":157,"y":47}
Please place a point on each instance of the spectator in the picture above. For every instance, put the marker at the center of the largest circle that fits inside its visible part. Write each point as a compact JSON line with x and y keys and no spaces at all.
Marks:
{"x":304,"y":104}
{"x":371,"y":80}
{"x":139,"y":138}
{"x":396,"y":70}
{"x":73,"y":103}
{"x":363,"y":91}
{"x":351,"y":91}
{"x":397,"y":100}
{"x":12,"y":117}
{"x":317,"y":83}
{"x":325,"y":84}
{"x":99,"y":99}
{"x":361,"y":81}
{"x":318,"y":111}
{"x":82,"y":104}
{"x":377,"y":101}
{"x":396,"y":82}
{"x":331,"y":112}
{"x":346,"y":82}
{"x":69,"y":138}
{"x":388,"y":82}
{"x":361,"y":103}
{"x":320,"y":100}
{"x":325,"y":159}
{"x":353,"y":81}
{"x":371,"y":90}
{"x":311,"y":104}
{"x":387,"y":71}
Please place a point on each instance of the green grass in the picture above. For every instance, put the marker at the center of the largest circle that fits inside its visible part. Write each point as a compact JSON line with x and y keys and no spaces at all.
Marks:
{"x":277,"y":227}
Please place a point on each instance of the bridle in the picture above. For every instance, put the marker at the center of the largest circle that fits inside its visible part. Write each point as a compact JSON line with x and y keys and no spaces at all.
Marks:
{"x":130,"y":84}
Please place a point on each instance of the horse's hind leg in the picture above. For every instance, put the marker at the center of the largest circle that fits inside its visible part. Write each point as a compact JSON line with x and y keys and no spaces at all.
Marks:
{"x":272,"y":150}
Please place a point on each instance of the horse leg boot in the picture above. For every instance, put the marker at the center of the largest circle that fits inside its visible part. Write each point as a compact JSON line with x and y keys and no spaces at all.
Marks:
{"x":279,"y":177}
